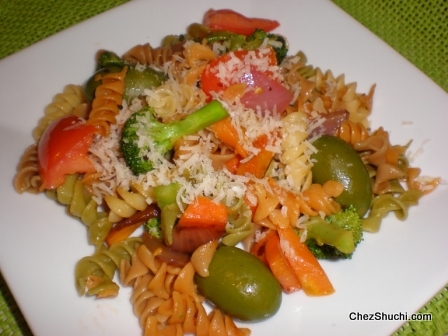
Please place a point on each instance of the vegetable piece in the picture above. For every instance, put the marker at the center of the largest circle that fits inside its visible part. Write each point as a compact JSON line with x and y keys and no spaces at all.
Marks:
{"x":118,"y":235}
{"x":336,"y":236}
{"x":152,"y":226}
{"x":159,"y":138}
{"x":262,"y":90}
{"x":135,"y":81}
{"x":226,"y":132}
{"x":227,"y":19}
{"x":259,"y":163}
{"x":337,"y":160}
{"x":237,"y":41}
{"x":265,"y":92}
{"x":310,"y":273}
{"x":202,"y":221}
{"x":63,"y":150}
{"x":204,"y":212}
{"x":124,"y":228}
{"x":279,"y":266}
{"x":275,"y":41}
{"x":240,"y":285}
{"x":332,"y":121}
{"x":166,"y":194}
{"x":163,"y":252}
{"x":258,"y":249}
{"x":210,"y":82}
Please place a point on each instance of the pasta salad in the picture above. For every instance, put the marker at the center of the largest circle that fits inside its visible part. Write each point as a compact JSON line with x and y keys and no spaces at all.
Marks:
{"x":217,"y":137}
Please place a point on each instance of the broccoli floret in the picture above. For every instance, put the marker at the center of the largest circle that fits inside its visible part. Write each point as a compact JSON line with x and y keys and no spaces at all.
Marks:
{"x":152,"y":226}
{"x":277,"y":42}
{"x":336,"y":236}
{"x":145,"y":139}
{"x":251,"y":42}
{"x":280,"y":46}
{"x":234,"y":41}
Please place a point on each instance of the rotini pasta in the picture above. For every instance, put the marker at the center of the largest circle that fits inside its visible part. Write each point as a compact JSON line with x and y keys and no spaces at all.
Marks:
{"x":70,"y":101}
{"x":165,"y":299}
{"x":296,"y":153}
{"x":80,"y":204}
{"x":352,"y":132}
{"x":27,"y":177}
{"x":173,"y":100}
{"x":94,"y":274}
{"x":382,"y":205}
{"x":125,"y":204}
{"x":147,"y":55}
{"x":108,"y":96}
{"x":240,"y":224}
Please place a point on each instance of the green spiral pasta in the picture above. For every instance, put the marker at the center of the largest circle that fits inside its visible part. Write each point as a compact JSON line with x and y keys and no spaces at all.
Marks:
{"x":382,"y":205}
{"x":94,"y":274}
{"x":80,"y":204}
{"x":241,"y":225}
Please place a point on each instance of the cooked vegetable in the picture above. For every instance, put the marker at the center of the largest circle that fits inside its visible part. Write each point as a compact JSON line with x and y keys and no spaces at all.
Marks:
{"x":63,"y":150}
{"x":252,"y":42}
{"x":202,"y":221}
{"x":259,"y":163}
{"x":152,"y":226}
{"x":240,"y":285}
{"x":229,"y":20}
{"x":280,"y":266}
{"x":136,"y":80}
{"x":337,"y":160}
{"x":336,"y":236}
{"x":277,"y":42}
{"x":124,"y":228}
{"x":159,"y":138}
{"x":226,"y":132}
{"x":310,"y":273}
{"x":263,"y":90}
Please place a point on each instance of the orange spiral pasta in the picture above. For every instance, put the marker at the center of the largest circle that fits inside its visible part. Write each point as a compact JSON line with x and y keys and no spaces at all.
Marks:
{"x":320,"y":197}
{"x":352,"y":132}
{"x":108,"y":97}
{"x":165,"y":299}
{"x":27,"y":177}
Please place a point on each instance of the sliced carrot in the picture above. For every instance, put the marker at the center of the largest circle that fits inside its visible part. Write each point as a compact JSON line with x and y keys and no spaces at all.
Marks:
{"x":118,"y":234}
{"x":233,"y":164}
{"x":280,"y":267}
{"x":227,"y":133}
{"x":204,"y":212}
{"x":310,"y":273}
{"x":259,"y":163}
{"x":258,"y":248}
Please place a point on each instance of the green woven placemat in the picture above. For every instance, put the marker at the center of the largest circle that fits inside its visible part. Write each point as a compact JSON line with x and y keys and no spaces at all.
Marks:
{"x":24,"y":22}
{"x":416,"y":29}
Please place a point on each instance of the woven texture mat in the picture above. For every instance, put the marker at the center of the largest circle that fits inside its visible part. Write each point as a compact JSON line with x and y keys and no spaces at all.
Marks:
{"x":416,"y":29}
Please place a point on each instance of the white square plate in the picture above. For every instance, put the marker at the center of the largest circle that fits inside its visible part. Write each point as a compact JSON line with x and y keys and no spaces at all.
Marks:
{"x":394,"y":271}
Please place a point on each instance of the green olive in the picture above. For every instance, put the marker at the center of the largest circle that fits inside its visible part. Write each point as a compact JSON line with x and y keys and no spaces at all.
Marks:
{"x":135,"y":80}
{"x":138,"y":80}
{"x":337,"y":160}
{"x":240,"y":285}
